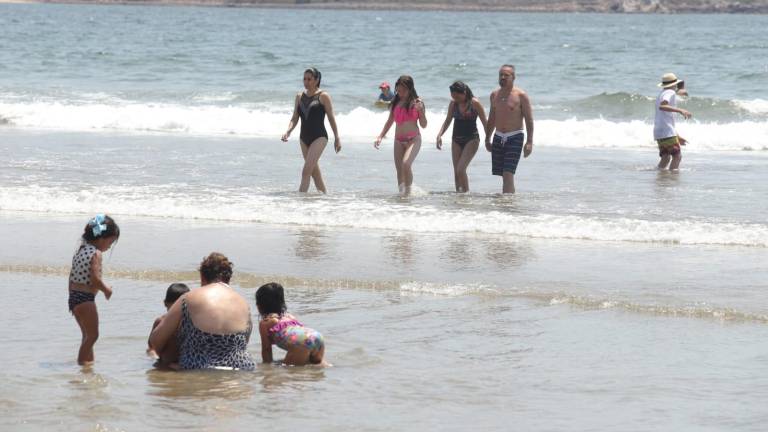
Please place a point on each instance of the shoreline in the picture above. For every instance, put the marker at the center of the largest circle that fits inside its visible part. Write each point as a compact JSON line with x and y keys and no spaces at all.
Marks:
{"x":527,"y":6}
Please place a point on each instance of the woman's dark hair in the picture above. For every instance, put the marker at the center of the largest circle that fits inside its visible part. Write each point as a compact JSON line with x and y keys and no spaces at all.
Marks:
{"x":315,"y":73}
{"x":460,"y":87}
{"x":174,"y":291}
{"x":101,"y":226}
{"x":407,"y":82}
{"x":216,"y":268}
{"x":270,"y":299}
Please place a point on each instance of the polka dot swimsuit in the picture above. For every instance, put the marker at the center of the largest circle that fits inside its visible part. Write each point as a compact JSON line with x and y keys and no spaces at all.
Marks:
{"x":81,"y":274}
{"x":81,"y":264}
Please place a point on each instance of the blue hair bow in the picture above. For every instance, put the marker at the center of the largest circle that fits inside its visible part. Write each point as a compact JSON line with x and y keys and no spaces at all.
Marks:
{"x":98,"y":225}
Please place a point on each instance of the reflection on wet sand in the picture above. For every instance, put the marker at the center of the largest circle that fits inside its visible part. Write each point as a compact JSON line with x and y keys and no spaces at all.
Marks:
{"x":229,"y":385}
{"x":401,"y":248}
{"x":310,"y":244}
{"x":90,"y":399}
{"x":459,"y":252}
{"x":507,"y":254}
{"x":204,"y":384}
{"x":666,"y":179}
{"x":279,"y":377}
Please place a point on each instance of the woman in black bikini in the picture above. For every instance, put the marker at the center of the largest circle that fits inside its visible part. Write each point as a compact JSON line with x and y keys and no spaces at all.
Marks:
{"x":464,"y":109}
{"x":311,"y":106}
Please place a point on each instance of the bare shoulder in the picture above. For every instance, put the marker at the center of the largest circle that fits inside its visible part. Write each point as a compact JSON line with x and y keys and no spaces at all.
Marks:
{"x":324,"y":96}
{"x":269,"y":320}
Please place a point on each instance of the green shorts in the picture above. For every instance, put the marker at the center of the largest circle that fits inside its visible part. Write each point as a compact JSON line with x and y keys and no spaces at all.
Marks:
{"x":669,"y":146}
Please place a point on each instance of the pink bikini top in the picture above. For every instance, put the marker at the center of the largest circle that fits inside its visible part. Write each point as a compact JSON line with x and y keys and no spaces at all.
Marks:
{"x":403,"y":115}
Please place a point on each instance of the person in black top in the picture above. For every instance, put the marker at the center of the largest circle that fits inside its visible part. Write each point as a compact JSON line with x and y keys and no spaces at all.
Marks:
{"x":311,"y":106}
{"x":464,"y":110}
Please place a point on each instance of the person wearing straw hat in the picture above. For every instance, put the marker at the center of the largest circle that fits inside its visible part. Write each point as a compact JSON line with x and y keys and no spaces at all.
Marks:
{"x":664,"y":131}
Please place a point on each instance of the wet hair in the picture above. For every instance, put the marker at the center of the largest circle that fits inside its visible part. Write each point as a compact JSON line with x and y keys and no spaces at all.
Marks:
{"x":101,"y":226}
{"x":315,"y":74}
{"x":460,"y":87}
{"x":216,"y":268}
{"x":270,"y":299}
{"x":407,"y":82}
{"x":174,"y":291}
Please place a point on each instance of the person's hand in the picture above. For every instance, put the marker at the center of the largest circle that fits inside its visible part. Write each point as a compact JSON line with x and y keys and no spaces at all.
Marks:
{"x":419,"y":105}
{"x":686,"y":114}
{"x":285,"y":136}
{"x":107,"y":292}
{"x":527,"y":149}
{"x":337,"y":144}
{"x":439,"y":142}
{"x":682,"y":141}
{"x":377,"y":142}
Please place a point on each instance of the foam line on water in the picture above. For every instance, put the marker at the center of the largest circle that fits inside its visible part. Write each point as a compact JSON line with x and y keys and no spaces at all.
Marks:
{"x":373,"y":213}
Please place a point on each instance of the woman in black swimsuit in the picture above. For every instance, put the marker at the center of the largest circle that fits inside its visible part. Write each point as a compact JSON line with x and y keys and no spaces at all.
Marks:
{"x":311,"y":106}
{"x":464,"y":109}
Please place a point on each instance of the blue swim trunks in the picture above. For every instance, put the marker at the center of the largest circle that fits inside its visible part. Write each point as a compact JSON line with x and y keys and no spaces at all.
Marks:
{"x":505,"y":152}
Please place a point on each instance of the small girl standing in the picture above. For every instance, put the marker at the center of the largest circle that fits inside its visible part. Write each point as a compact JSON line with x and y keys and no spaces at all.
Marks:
{"x":85,"y":281}
{"x":303,"y":344}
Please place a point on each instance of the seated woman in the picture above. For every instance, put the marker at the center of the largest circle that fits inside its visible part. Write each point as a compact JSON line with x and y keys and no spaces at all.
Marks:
{"x":213,"y":322}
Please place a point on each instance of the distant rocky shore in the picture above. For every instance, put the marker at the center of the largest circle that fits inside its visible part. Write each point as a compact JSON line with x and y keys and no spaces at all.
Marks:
{"x":602,"y":6}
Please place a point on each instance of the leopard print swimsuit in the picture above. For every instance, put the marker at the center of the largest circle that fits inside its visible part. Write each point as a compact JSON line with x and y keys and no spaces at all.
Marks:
{"x":202,"y":350}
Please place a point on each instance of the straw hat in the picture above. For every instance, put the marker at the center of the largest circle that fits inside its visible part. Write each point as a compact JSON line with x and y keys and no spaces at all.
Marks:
{"x":668,"y":80}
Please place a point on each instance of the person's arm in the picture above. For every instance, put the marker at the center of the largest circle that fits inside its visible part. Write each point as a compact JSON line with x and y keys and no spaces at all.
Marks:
{"x":665,"y":106}
{"x":491,"y":124}
{"x":96,"y":278}
{"x":294,"y":119}
{"x":422,"y":113}
{"x":525,"y":105}
{"x":325,"y":99}
{"x":448,"y":119}
{"x":167,"y":326}
{"x":480,"y":112}
{"x":384,"y":131}
{"x":266,"y":342}
{"x":150,"y":350}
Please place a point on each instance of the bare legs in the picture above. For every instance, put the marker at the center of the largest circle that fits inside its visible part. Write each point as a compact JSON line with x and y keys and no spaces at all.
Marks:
{"x":311,"y":168}
{"x":461,"y":159}
{"x":88,"y":319}
{"x":300,"y":356}
{"x":675,"y":161}
{"x":405,"y":154}
{"x":509,"y":183}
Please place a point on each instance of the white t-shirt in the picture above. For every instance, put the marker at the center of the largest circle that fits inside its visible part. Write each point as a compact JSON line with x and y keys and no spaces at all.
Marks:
{"x":664,"y":123}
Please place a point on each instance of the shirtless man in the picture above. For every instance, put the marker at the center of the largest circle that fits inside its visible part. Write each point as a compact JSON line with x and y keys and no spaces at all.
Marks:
{"x":510,"y":106}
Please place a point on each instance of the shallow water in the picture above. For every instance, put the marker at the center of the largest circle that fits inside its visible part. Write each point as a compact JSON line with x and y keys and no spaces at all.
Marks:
{"x":402,"y":360}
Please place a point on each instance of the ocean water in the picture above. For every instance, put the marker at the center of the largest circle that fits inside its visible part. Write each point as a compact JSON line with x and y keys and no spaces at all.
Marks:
{"x":604,"y":295}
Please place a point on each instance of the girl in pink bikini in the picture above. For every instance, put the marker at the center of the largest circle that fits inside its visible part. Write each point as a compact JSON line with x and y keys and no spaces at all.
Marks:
{"x":302,"y":344}
{"x":407,"y":112}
